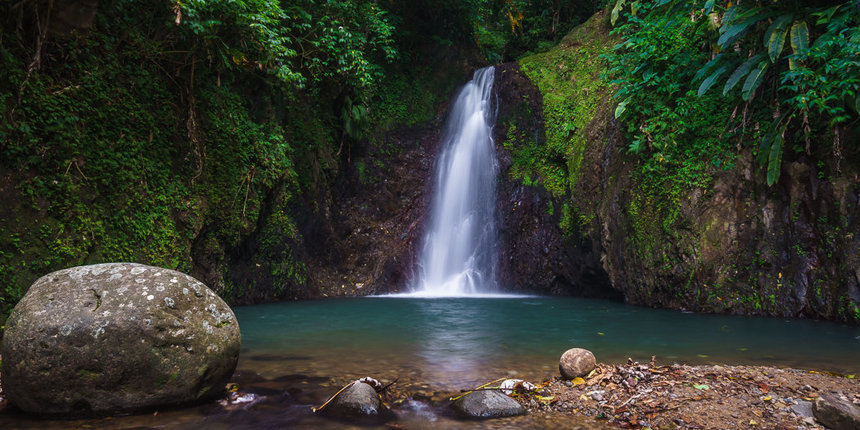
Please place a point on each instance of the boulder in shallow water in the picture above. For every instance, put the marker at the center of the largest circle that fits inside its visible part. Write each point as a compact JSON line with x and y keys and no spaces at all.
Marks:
{"x":836,"y":414}
{"x":488,"y":404}
{"x":576,"y":362}
{"x":358,"y":400}
{"x":117,"y":337}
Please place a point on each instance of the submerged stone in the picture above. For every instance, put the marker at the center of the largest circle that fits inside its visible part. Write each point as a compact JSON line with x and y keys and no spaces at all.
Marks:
{"x":117,"y":337}
{"x":488,"y":404}
{"x":576,"y":362}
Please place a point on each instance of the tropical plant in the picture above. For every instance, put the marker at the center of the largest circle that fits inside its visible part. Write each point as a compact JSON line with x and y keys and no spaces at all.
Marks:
{"x":806,"y":57}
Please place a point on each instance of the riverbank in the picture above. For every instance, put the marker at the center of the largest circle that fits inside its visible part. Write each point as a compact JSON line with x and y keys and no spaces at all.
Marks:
{"x":631,"y":395}
{"x":648,"y":395}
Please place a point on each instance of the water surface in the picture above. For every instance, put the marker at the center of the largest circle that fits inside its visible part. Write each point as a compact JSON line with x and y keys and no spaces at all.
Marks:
{"x":296,"y":354}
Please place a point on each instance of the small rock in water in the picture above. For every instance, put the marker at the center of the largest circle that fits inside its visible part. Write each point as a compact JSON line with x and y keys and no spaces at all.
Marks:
{"x":357,"y":400}
{"x":835,"y":413}
{"x":488,"y":404}
{"x":576,"y":362}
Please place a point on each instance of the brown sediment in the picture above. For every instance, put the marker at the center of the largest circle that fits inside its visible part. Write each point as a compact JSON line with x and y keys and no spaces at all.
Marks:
{"x":679,"y":396}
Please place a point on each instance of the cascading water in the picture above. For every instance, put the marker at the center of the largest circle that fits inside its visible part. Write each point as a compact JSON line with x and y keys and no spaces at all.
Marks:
{"x":459,"y":251}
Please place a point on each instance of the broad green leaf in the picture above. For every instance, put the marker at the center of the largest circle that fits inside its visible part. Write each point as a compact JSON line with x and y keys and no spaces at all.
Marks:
{"x":754,"y":80}
{"x":732,"y":32}
{"x":774,"y":37}
{"x":774,"y":162}
{"x":709,"y":6}
{"x":710,"y":80}
{"x":741,"y":71}
{"x":707,"y":67}
{"x":799,"y":37}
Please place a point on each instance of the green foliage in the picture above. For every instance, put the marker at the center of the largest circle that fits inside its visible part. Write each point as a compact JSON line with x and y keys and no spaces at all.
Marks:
{"x":299,"y":42}
{"x":745,"y":46}
{"x":508,"y":29}
{"x":159,"y":135}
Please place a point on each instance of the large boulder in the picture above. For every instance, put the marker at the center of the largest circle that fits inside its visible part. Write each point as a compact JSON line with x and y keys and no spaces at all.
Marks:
{"x":488,"y":404}
{"x":576,"y":362}
{"x":117,"y":337}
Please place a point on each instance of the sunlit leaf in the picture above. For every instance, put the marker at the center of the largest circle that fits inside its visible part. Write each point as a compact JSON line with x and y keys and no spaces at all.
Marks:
{"x":701,"y":387}
{"x":799,"y":37}
{"x":578,"y":381}
{"x":774,"y":37}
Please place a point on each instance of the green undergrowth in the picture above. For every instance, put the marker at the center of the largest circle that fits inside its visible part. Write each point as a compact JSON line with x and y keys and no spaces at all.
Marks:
{"x":570,"y":79}
{"x":120,"y":150}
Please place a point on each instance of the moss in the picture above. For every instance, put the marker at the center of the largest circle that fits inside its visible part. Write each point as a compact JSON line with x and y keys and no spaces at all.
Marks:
{"x":571,"y":80}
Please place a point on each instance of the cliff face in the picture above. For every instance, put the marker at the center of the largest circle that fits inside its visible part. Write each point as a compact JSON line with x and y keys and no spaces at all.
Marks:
{"x":735,"y":246}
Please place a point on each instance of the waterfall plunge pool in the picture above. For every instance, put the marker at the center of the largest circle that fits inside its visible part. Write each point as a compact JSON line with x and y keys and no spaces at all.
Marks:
{"x":296,"y":354}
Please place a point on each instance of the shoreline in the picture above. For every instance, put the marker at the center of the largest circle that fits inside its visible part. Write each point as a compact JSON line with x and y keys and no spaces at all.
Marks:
{"x":631,"y":395}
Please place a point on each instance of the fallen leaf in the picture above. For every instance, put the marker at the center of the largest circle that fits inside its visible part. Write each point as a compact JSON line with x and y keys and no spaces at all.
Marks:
{"x":764,"y":388}
{"x":753,"y":423}
{"x":849,"y":376}
{"x":701,"y":387}
{"x":578,"y":381}
{"x":547,"y":400}
{"x":766,"y":399}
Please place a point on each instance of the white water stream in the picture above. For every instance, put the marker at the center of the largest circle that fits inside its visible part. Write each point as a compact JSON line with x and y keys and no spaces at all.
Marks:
{"x":459,"y":255}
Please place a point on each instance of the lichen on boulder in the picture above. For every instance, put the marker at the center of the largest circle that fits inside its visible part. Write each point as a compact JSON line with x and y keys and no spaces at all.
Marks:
{"x":117,"y":337}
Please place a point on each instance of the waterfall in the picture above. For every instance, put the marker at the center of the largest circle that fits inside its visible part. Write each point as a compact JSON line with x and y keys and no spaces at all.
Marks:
{"x":459,"y":250}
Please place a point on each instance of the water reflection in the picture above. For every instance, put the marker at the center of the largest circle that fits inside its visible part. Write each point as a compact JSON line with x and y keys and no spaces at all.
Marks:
{"x":454,"y":338}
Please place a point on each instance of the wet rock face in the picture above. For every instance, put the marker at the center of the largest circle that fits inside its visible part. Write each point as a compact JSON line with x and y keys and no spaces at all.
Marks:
{"x":534,"y":253}
{"x":117,"y":337}
{"x":488,"y":404}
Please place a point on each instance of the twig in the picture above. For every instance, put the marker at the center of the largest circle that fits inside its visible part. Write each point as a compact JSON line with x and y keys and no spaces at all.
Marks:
{"x":476,"y":389}
{"x":315,"y":410}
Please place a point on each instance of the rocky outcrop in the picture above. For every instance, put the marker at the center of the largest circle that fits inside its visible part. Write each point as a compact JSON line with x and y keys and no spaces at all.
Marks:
{"x":117,"y":337}
{"x":535,"y":255}
{"x":487,"y":404}
{"x":735,"y":246}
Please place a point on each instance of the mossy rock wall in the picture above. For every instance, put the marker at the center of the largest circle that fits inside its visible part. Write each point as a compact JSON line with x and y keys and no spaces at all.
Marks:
{"x":723,"y":242}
